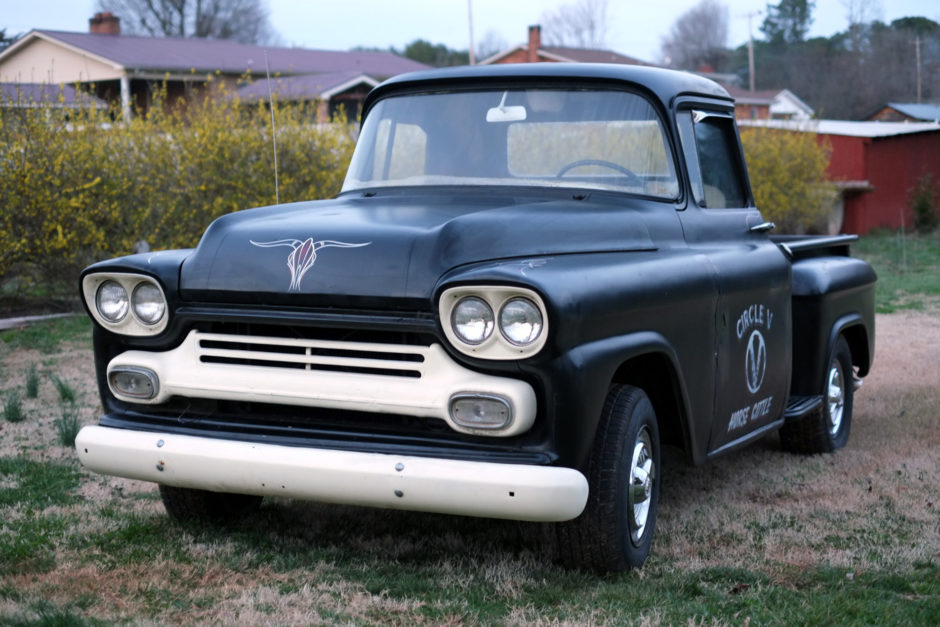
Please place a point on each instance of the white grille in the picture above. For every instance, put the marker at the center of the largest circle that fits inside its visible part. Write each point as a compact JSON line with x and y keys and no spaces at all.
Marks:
{"x":319,"y":355}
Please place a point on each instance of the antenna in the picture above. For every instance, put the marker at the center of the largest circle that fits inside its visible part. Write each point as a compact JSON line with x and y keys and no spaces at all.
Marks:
{"x":267,"y":71}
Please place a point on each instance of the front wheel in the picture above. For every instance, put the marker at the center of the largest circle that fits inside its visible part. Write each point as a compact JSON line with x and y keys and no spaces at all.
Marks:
{"x":827,"y":428}
{"x":188,"y":505}
{"x":615,"y":530}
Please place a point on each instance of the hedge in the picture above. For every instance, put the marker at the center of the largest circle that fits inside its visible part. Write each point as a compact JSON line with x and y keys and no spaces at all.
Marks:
{"x":76,"y":187}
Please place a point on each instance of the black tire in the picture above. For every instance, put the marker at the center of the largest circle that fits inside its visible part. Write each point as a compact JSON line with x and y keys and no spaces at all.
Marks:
{"x":188,"y":505}
{"x":826,"y":429}
{"x":615,"y":531}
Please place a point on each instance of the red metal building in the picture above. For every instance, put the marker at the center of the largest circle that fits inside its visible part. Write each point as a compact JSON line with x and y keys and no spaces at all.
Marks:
{"x":876,"y":165}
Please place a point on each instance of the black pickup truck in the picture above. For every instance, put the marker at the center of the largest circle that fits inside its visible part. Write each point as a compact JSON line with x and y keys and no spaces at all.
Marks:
{"x":534,"y":278}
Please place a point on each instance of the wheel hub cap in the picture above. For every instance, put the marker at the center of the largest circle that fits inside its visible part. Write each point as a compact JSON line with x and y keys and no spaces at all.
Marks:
{"x":642,"y":475}
{"x":836,"y":397}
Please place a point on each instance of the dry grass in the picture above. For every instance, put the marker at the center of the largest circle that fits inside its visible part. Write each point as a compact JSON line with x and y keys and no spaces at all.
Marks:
{"x":871,"y":507}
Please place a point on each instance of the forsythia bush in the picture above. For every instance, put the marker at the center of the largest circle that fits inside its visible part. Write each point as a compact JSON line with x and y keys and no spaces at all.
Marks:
{"x":788,"y":177}
{"x":73,"y":192}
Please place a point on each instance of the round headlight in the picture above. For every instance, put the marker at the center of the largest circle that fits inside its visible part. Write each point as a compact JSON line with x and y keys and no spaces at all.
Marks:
{"x":520,"y":321}
{"x":472,"y":320}
{"x":148,"y":303}
{"x":111,"y":301}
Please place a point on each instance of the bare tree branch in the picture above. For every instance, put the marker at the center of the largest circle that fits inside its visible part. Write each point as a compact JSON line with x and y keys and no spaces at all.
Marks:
{"x":581,"y":24}
{"x":699,"y":37}
{"x":246,"y":21}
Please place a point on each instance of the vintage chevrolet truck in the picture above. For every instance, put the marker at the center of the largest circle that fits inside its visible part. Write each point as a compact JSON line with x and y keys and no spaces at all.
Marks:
{"x":533,"y":279}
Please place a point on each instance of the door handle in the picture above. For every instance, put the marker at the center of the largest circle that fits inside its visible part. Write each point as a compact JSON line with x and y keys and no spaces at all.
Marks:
{"x":763,"y":227}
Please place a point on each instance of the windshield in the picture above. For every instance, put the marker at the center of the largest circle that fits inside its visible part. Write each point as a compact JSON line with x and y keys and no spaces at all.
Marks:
{"x":559,"y":138}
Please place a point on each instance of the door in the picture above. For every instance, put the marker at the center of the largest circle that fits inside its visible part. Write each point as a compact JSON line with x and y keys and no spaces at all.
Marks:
{"x":752,"y":276}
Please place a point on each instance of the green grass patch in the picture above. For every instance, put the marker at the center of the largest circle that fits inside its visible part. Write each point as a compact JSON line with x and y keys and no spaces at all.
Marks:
{"x":13,"y":407}
{"x":32,"y":382}
{"x":46,"y":337}
{"x":64,"y":388}
{"x":908,"y":268}
{"x":34,"y":484}
{"x":67,"y":425}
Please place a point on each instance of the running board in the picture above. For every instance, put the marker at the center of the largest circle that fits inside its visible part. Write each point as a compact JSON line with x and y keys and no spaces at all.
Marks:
{"x":799,"y":406}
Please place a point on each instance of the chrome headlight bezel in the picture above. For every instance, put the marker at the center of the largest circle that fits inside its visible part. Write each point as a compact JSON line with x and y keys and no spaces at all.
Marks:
{"x":497,"y":345}
{"x":131,"y":323}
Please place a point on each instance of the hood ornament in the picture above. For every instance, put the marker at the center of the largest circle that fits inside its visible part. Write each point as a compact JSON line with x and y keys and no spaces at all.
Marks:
{"x":303,"y":255}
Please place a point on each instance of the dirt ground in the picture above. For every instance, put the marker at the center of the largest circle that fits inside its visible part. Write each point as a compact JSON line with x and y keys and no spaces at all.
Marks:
{"x":873,"y":506}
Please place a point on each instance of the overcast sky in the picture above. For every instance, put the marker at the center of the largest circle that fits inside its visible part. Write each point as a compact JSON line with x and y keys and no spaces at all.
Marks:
{"x":635,"y":26}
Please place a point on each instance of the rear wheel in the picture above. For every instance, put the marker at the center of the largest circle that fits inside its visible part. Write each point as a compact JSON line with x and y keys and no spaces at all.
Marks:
{"x":188,"y":505}
{"x":827,"y":428}
{"x":615,"y":530}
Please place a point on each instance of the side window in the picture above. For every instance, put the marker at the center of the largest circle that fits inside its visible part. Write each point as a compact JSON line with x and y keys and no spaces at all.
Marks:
{"x":715,"y":162}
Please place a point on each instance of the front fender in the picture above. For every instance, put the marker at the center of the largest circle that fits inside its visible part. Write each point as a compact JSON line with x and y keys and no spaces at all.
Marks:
{"x":584,"y":374}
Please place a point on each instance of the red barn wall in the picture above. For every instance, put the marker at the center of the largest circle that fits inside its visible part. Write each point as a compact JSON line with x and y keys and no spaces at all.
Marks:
{"x":893,"y":165}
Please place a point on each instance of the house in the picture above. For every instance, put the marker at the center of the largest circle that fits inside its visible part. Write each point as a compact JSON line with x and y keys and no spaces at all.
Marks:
{"x":875,"y":165}
{"x":126,"y":69}
{"x":768,"y":104}
{"x":333,"y":91}
{"x":905,"y":112}
{"x":27,"y":95}
{"x":535,"y":52}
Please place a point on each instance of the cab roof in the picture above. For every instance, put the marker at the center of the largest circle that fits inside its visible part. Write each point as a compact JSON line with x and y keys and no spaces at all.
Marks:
{"x":665,"y":85}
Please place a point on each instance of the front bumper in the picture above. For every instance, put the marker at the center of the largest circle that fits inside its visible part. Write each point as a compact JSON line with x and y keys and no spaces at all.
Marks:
{"x":468,"y":488}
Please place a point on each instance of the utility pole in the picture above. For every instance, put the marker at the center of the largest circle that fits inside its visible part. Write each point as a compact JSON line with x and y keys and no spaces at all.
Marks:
{"x":750,"y":46}
{"x":917,"y":60}
{"x":470,"y":21}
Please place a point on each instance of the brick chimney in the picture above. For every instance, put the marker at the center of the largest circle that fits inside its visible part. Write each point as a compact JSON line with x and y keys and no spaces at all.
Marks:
{"x":535,"y":42}
{"x":106,"y":23}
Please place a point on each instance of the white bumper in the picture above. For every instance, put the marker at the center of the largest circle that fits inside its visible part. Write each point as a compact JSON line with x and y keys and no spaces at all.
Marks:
{"x":513,"y":491}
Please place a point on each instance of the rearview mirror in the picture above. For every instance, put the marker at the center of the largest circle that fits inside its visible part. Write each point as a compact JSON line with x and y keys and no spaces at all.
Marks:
{"x":502,"y":113}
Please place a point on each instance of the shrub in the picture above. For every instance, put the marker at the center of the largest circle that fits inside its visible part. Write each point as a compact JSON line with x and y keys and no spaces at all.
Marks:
{"x":923,"y":200}
{"x":788,"y":177}
{"x":89,"y":189}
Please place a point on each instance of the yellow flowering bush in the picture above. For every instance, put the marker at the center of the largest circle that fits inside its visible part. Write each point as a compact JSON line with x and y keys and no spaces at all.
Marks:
{"x":788,"y":177}
{"x":77,"y":186}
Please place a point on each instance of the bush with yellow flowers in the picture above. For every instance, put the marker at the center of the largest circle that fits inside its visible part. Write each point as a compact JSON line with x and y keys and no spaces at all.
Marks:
{"x":76,"y":186}
{"x":788,"y":177}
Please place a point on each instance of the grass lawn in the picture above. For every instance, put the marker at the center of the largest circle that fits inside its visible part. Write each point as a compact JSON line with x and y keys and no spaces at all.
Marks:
{"x":908,"y":268}
{"x":758,"y":536}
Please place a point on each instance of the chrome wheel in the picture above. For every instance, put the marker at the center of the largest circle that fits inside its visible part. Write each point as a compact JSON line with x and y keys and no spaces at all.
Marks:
{"x":836,"y":396}
{"x":642,"y":476}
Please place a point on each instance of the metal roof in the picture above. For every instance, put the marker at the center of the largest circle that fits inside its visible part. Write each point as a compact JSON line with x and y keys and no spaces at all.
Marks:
{"x":305,"y":87}
{"x":846,"y":127}
{"x":173,"y":54}
{"x":32,"y":94}
{"x":926,"y":112}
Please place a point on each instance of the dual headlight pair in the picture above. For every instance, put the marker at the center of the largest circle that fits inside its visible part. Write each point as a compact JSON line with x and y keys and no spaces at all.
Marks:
{"x":131,"y":304}
{"x":494,"y":322}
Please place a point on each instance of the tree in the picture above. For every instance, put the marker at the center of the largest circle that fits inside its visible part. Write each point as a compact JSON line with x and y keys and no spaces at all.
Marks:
{"x":789,"y":21}
{"x":699,"y":37}
{"x":581,"y":24}
{"x":491,"y":43}
{"x":245,"y":21}
{"x":6,"y":41}
{"x":437,"y":55}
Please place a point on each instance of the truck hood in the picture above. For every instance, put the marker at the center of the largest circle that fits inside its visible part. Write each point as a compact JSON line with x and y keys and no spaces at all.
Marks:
{"x":395,"y":245}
